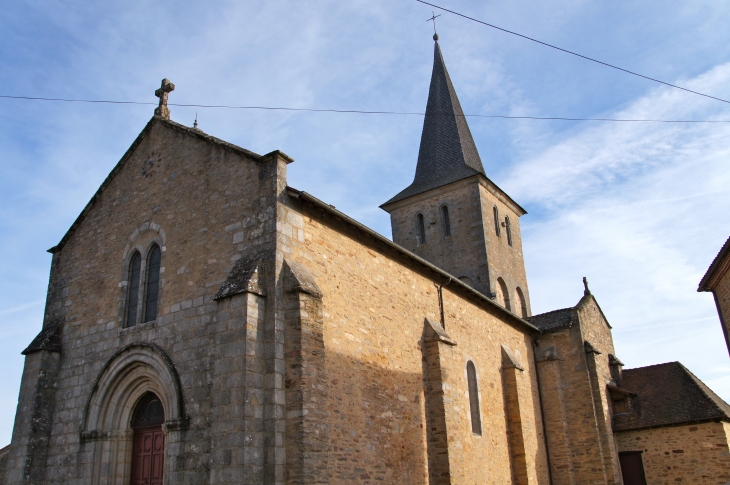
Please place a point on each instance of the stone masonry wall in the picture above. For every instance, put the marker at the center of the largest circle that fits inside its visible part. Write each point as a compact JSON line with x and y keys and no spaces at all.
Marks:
{"x":462,"y":253}
{"x":206,"y":206}
{"x":374,"y":307}
{"x":573,"y":384}
{"x":693,"y":454}
{"x":505,"y":261}
{"x":473,"y":252}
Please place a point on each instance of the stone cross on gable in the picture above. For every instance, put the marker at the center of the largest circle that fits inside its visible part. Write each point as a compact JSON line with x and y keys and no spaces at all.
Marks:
{"x":165,"y":88}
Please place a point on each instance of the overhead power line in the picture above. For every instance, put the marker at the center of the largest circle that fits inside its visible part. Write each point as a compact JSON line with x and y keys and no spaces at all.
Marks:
{"x":357,"y":111}
{"x":573,"y":53}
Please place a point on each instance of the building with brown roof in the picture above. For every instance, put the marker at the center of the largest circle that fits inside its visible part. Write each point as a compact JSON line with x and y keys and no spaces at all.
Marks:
{"x":672,"y":425}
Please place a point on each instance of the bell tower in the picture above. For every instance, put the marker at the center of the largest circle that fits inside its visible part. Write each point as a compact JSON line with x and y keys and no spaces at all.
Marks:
{"x":452,"y":214}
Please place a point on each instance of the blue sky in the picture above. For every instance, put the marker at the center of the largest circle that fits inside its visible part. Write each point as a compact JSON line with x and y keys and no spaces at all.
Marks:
{"x":640,"y":209}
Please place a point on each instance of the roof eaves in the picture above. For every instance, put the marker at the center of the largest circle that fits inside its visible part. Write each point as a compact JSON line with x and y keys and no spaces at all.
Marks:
{"x":382,"y":239}
{"x":718,"y":267}
{"x":717,"y":402}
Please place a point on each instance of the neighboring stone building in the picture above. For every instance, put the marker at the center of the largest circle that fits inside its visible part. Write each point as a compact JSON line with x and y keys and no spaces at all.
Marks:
{"x":206,"y":323}
{"x":717,"y":280}
{"x":676,"y":425}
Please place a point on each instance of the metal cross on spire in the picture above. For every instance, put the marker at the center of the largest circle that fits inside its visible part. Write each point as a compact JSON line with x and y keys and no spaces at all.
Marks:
{"x":165,"y":89}
{"x":433,"y":19}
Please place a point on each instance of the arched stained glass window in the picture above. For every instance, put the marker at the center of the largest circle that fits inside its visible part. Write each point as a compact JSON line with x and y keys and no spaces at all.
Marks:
{"x":476,"y":419}
{"x":421,"y":229}
{"x":508,"y":229}
{"x":446,"y":223}
{"x":135,"y":267}
{"x":495,"y":212}
{"x":153,"y":284}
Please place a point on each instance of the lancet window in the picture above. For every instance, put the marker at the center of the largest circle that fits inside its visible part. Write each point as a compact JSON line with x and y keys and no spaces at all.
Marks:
{"x":152,"y":284}
{"x":445,"y":221}
{"x":421,"y":228}
{"x":476,"y":419}
{"x":135,"y":270}
{"x":508,"y":230}
{"x":495,"y":212}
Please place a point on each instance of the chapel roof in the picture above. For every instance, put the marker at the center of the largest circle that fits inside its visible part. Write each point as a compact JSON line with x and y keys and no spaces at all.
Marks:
{"x":447,"y":153}
{"x":554,"y":320}
{"x":717,"y":269}
{"x":667,"y":394}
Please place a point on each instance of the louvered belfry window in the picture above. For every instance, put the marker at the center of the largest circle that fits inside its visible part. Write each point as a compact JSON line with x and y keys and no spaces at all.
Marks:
{"x":476,"y":419}
{"x":153,"y":285}
{"x":135,"y":267}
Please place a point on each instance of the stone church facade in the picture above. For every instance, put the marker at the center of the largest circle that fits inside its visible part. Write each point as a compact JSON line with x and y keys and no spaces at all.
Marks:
{"x":208,"y":324}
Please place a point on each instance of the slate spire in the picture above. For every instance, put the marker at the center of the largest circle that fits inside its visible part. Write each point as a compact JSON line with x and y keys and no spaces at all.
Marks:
{"x":447,"y":151}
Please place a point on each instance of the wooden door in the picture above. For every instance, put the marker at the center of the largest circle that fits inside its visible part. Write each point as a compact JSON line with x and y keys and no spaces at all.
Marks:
{"x":632,"y":468}
{"x":148,"y":454}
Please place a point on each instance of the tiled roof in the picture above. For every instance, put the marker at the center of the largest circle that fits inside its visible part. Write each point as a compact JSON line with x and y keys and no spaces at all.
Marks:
{"x":554,"y":320}
{"x":447,"y":152}
{"x":719,"y":266}
{"x":668,"y":394}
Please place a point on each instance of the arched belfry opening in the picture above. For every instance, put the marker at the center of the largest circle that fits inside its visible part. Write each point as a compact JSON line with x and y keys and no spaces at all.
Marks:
{"x":148,"y":443}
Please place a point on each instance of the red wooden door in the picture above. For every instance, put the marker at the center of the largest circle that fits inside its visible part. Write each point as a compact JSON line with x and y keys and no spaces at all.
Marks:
{"x":148,"y":454}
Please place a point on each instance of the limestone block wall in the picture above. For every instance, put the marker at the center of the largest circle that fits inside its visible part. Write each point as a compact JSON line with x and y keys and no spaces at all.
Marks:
{"x":691,"y":454}
{"x":374,"y":304}
{"x":462,"y":253}
{"x":573,"y":381}
{"x":505,"y":261}
{"x":207,"y":206}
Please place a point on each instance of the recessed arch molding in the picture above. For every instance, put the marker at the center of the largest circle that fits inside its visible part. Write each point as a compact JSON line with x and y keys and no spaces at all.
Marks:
{"x":129,"y":374}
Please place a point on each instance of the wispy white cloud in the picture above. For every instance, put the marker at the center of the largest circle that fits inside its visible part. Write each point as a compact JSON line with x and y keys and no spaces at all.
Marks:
{"x":639,"y":209}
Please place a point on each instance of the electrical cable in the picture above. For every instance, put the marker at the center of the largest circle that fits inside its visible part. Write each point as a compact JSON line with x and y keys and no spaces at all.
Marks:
{"x":573,"y":53}
{"x":354,"y":111}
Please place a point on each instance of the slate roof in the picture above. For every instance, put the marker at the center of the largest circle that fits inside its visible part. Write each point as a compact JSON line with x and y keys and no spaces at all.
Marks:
{"x":49,"y":338}
{"x":447,"y":153}
{"x":719,"y":267}
{"x":554,"y":320}
{"x":668,"y":394}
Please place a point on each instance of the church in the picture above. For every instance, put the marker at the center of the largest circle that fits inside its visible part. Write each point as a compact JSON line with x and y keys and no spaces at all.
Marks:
{"x":206,"y":323}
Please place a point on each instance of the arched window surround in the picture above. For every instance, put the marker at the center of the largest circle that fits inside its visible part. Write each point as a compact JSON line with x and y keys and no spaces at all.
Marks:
{"x":503,"y":289}
{"x":420,"y":228}
{"x":474,"y":396}
{"x":445,"y":215}
{"x":521,"y":302}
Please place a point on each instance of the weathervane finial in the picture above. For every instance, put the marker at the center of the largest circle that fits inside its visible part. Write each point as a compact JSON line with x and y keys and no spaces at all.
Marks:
{"x":433,"y":19}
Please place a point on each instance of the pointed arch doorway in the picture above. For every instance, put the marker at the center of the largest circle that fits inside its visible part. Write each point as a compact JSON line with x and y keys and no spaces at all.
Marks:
{"x":148,"y":447}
